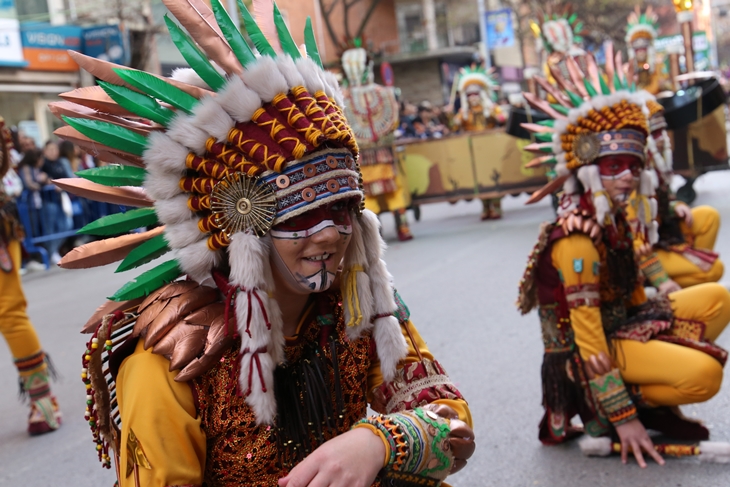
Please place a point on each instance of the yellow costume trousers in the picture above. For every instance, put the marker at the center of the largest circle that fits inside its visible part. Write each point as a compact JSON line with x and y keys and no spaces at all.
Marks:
{"x":670,"y":374}
{"x":14,"y":323}
{"x":702,"y":234}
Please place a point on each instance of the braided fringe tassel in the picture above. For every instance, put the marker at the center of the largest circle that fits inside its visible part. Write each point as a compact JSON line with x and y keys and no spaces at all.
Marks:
{"x":357,"y":295}
{"x":389,"y":341}
{"x":259,"y":322}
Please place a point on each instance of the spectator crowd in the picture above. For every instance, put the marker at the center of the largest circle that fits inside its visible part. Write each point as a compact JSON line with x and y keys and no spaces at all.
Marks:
{"x":49,"y":214}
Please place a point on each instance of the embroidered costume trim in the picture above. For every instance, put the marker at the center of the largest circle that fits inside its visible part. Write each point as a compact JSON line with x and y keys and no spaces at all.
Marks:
{"x":610,"y":392}
{"x":582,"y":295}
{"x":652,"y":268}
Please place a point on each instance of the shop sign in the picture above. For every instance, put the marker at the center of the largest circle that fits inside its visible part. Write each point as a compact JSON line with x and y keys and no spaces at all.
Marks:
{"x":500,"y":32}
{"x":11,"y":50}
{"x":45,"y":46}
{"x":104,"y":42}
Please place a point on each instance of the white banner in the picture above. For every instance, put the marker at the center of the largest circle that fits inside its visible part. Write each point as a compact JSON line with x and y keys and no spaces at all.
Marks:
{"x":11,"y":50}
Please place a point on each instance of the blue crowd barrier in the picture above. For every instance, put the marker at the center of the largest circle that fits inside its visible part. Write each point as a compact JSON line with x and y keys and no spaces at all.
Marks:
{"x":36,"y":223}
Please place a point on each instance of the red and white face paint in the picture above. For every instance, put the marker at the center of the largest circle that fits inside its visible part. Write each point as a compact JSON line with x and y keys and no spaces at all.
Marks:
{"x":309,"y":248}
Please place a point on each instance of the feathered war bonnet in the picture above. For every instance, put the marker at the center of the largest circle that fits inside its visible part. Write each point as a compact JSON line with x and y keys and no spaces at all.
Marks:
{"x":477,"y":79}
{"x":641,"y":32}
{"x":218,"y":155}
{"x":590,"y":119}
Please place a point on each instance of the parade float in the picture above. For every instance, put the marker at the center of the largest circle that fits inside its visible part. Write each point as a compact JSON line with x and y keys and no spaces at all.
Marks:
{"x":372,"y":111}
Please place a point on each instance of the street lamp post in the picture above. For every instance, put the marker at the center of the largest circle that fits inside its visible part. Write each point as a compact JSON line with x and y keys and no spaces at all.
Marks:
{"x":685,"y":17}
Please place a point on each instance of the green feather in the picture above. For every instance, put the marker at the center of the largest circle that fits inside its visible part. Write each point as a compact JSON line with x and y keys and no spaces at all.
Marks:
{"x":238,"y":44}
{"x":544,"y":137}
{"x":632,"y":88}
{"x":311,"y":43}
{"x":559,"y":108}
{"x":589,"y":88}
{"x":574,"y":99}
{"x":604,"y":87}
{"x":287,"y":41}
{"x":551,"y":162}
{"x":119,"y":223}
{"x":194,"y":56}
{"x":160,"y":89}
{"x":578,"y":27}
{"x":146,"y":252}
{"x":106,"y":133}
{"x":547,"y":123}
{"x":616,"y":82}
{"x":138,"y":103}
{"x":572,"y":18}
{"x":115,"y":175}
{"x":149,"y":281}
{"x":254,"y":32}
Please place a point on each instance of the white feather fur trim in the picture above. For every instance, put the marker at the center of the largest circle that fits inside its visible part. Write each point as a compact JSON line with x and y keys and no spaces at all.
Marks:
{"x":164,"y":154}
{"x":591,"y":179}
{"x":211,"y":118}
{"x":646,"y":184}
{"x":197,"y":260}
{"x":189,"y":76}
{"x":332,"y":88}
{"x":289,"y":70}
{"x":248,"y":256}
{"x":264,"y":78}
{"x":174,"y":210}
{"x":180,"y":235}
{"x":310,"y":72}
{"x":595,"y":447}
{"x":262,"y":403}
{"x":183,"y":131}
{"x":390,"y":345}
{"x":355,"y":257}
{"x":162,"y":185}
{"x":239,"y":100}
{"x":714,"y":452}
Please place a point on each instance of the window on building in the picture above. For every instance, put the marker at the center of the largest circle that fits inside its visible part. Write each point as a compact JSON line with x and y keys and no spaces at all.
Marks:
{"x":32,"y":10}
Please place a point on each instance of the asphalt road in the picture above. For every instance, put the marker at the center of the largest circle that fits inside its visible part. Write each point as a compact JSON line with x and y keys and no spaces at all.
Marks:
{"x":459,"y":277}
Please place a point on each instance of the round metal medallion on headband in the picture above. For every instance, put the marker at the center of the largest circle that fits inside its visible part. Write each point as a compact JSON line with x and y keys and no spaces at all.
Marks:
{"x":587,"y":147}
{"x":310,"y":170}
{"x":240,"y":203}
{"x":332,"y":162}
{"x":283,"y":181}
{"x":333,"y":186}
{"x":308,"y":194}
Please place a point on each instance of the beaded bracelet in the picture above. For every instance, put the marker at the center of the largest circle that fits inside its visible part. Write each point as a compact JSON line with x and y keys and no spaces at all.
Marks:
{"x":610,"y":392}
{"x":418,"y":441}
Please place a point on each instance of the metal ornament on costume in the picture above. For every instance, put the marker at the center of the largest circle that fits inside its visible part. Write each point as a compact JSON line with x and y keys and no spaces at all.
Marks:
{"x":240,"y":143}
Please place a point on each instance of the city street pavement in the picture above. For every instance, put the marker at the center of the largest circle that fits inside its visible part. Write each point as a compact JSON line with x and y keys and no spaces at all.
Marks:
{"x":459,"y":277}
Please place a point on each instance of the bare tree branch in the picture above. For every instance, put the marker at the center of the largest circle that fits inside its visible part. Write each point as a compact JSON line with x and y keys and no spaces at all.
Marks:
{"x":366,"y":18}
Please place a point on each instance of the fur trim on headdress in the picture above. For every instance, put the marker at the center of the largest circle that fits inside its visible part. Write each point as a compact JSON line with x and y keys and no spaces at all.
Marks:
{"x":165,"y":154}
{"x":357,"y":295}
{"x":591,"y":179}
{"x":389,"y":341}
{"x":259,"y":324}
{"x":239,"y":100}
{"x":174,"y":210}
{"x":197,"y":260}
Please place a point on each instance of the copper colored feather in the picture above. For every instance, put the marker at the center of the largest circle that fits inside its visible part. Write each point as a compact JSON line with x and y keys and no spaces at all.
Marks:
{"x":538,"y":161}
{"x":593,"y":74}
{"x":537,"y":147}
{"x":536,"y":128}
{"x":108,"y":308}
{"x":117,"y":195}
{"x":199,"y":20}
{"x":552,"y":90}
{"x":610,"y":66}
{"x":97,"y":149}
{"x":543,"y":105}
{"x":263,"y":12}
{"x":176,"y":309}
{"x":549,"y":188}
{"x":563,"y":83}
{"x":219,"y":340}
{"x":95,"y":97}
{"x":104,"y":70}
{"x":103,"y":252}
{"x":66,"y":108}
{"x":576,"y":75}
{"x":166,"y":292}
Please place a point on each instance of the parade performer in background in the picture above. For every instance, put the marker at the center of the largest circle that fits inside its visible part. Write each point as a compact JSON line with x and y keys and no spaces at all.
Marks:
{"x":588,"y":290}
{"x":15,"y":326}
{"x":478,"y":111}
{"x":372,"y":112}
{"x":560,"y":37}
{"x":683,"y":255}
{"x":641,"y":32}
{"x":258,"y":367}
